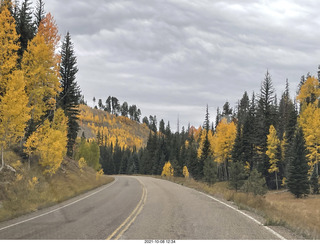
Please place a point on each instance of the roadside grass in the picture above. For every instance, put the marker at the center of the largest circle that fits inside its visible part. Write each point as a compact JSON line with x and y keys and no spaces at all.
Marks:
{"x":278,"y":208}
{"x":31,"y":190}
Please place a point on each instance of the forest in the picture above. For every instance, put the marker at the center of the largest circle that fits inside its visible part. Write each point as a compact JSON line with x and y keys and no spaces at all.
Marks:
{"x":263,"y":143}
{"x":258,"y":145}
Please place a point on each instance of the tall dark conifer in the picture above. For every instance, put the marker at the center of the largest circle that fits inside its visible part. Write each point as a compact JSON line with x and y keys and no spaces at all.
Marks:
{"x":25,"y":26}
{"x":265,"y":118}
{"x":298,"y":182}
{"x":39,"y":13}
{"x":69,"y":98}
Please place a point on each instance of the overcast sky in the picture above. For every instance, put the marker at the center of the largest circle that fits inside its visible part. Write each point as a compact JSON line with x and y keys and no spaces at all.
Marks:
{"x":172,"y":57}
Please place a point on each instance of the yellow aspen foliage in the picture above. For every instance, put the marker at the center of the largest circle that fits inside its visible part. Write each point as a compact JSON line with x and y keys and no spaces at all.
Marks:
{"x":167,"y":169}
{"x":41,"y":69}
{"x":82,"y":163}
{"x":49,"y":143}
{"x":273,"y":144}
{"x":14,"y":112}
{"x":33,"y":182}
{"x":310,"y":91}
{"x":223,"y":140}
{"x":284,"y":182}
{"x":99,"y":174}
{"x":309,"y":120}
{"x":247,"y":167}
{"x":185,"y":172}
{"x":19,"y":177}
{"x":8,"y":47}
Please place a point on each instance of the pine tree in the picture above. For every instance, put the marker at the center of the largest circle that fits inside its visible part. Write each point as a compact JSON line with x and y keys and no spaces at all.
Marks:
{"x":40,"y":13}
{"x":69,"y":97}
{"x":298,"y":183}
{"x":264,"y":118}
{"x":205,"y":149}
{"x":25,"y":26}
{"x":238,"y":175}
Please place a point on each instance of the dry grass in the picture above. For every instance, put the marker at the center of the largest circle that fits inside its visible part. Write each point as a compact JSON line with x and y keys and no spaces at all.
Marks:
{"x":23,"y":195}
{"x":303,"y":215}
{"x":278,"y":208}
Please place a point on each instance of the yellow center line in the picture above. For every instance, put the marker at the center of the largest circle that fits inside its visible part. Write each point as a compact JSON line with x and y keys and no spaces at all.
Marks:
{"x":132,"y":216}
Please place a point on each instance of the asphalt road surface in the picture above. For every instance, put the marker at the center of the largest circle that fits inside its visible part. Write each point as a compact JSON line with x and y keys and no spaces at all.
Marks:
{"x":139,"y":208}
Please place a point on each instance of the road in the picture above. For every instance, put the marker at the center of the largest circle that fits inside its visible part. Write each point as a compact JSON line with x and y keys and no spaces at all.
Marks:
{"x":138,"y":208}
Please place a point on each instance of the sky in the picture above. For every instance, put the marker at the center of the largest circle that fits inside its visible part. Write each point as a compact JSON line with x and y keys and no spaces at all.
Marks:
{"x":173,"y":57}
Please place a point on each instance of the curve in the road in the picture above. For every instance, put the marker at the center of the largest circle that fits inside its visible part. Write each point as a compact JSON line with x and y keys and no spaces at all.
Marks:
{"x":128,"y":221}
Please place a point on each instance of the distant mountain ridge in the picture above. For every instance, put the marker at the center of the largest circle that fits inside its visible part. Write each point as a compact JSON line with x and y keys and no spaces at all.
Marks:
{"x":107,"y":128}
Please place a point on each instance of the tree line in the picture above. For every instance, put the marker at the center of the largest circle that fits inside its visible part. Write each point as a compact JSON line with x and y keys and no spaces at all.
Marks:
{"x":261,"y":144}
{"x":112,"y":106}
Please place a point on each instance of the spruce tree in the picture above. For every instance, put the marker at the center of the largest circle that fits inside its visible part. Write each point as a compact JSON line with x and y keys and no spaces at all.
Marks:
{"x":40,"y":13}
{"x":265,"y":117}
{"x":206,"y":146}
{"x":69,"y":98}
{"x":298,"y":183}
{"x":25,"y":26}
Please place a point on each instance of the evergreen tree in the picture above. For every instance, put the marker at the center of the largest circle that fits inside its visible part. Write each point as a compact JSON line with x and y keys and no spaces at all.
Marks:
{"x":205,"y":152}
{"x":124,"y":109}
{"x":25,"y":26}
{"x":238,"y":175}
{"x":162,"y":126}
{"x":69,"y":97}
{"x":100,"y":104}
{"x":108,"y":106}
{"x":40,"y":13}
{"x":298,"y":183}
{"x":265,"y":117}
{"x":115,"y":106}
{"x":210,"y":171}
{"x":255,"y":183}
{"x":145,"y":120}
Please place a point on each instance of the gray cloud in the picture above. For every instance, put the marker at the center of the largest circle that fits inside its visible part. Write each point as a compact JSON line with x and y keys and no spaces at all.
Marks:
{"x":173,"y":57}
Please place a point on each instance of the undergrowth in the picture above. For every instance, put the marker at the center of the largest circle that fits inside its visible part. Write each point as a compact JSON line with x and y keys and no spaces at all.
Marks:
{"x":29,"y":190}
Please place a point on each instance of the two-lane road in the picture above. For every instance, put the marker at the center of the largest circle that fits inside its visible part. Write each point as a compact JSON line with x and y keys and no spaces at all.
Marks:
{"x":138,"y":208}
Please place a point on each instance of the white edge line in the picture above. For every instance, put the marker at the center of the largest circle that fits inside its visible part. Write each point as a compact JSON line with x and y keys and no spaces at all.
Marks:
{"x":248,"y":216}
{"x":54,"y":210}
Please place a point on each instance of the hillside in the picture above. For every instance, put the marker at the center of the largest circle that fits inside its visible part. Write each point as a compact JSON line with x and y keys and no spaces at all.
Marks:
{"x":94,"y":122}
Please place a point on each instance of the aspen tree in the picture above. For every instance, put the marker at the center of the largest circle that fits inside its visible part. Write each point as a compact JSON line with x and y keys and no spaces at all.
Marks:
{"x":273,"y":143}
{"x":14,"y":112}
{"x":40,"y":65}
{"x":8,"y":47}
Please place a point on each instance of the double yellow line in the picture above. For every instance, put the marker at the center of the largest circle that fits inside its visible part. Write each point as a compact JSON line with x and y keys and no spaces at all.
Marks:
{"x":128,"y":221}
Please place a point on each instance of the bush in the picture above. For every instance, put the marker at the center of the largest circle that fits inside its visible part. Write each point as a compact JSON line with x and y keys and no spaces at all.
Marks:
{"x":255,"y":184}
{"x":210,"y":171}
{"x":237,"y":175}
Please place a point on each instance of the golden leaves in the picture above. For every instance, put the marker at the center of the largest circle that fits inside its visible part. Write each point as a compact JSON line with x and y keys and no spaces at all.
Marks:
{"x":14,"y":112}
{"x":8,"y":47}
{"x":223,"y":140}
{"x":272,"y":148}
{"x":185,"y":172}
{"x":167,"y":169}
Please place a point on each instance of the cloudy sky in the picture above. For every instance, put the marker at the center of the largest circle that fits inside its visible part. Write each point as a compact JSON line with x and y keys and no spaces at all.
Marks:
{"x":172,"y":57}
